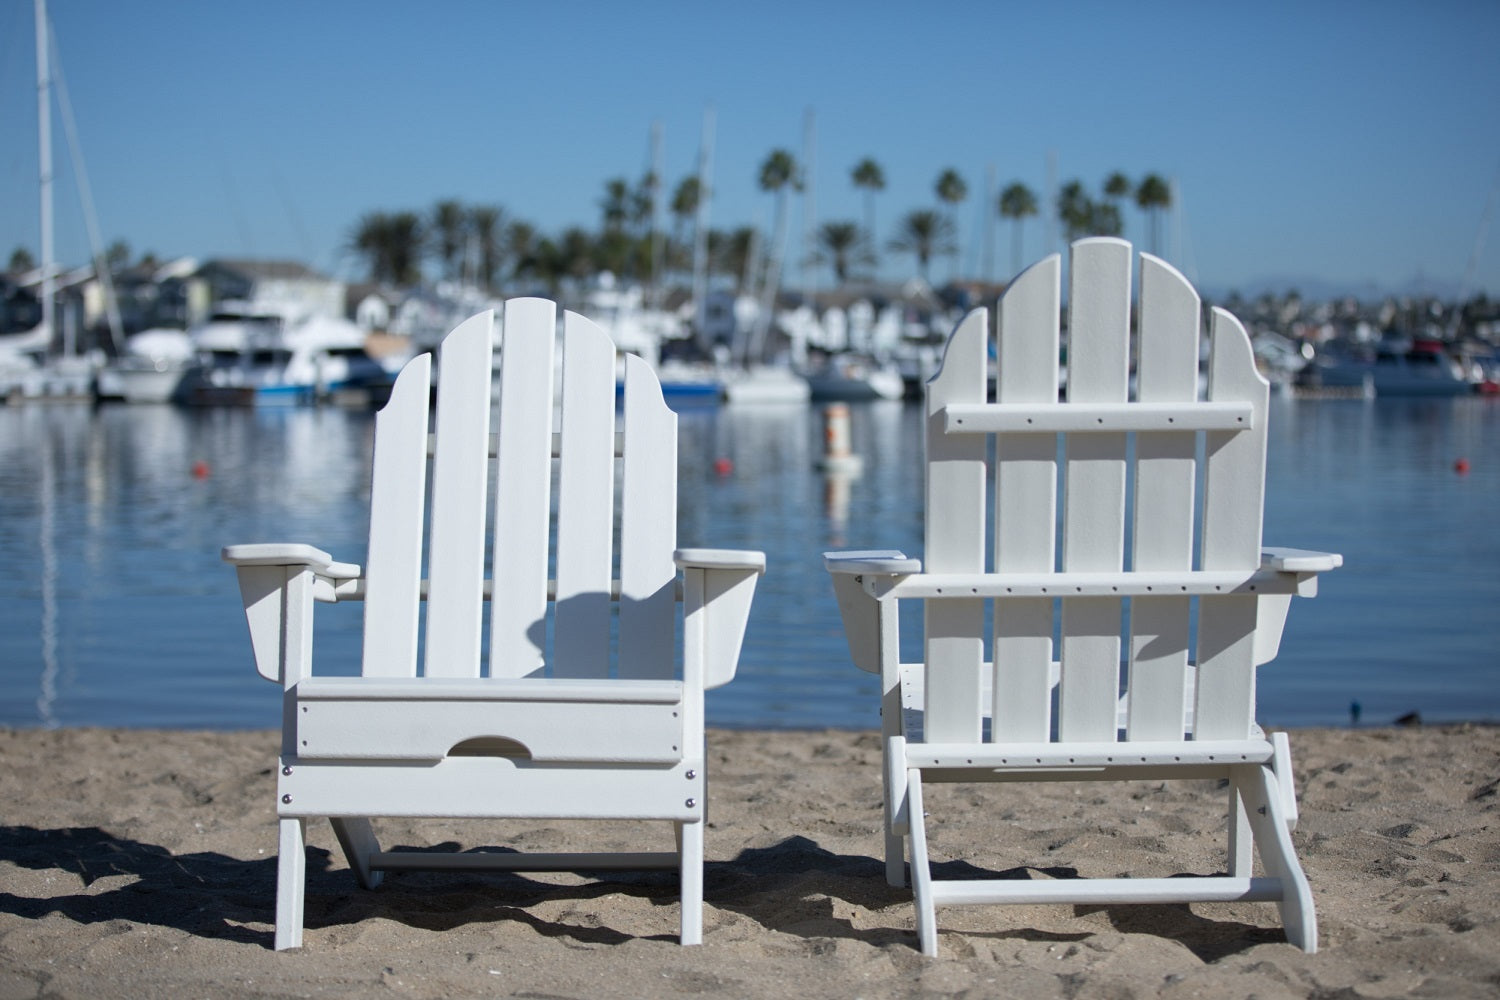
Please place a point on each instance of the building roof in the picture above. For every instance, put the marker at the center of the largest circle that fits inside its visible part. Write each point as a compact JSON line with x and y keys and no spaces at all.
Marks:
{"x":266,"y":270}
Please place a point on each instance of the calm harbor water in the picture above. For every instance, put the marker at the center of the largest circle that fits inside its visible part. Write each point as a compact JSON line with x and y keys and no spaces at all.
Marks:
{"x":115,"y":609}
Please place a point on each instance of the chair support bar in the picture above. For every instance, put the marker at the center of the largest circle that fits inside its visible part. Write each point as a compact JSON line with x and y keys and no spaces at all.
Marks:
{"x":1084,"y":892}
{"x":398,"y":861}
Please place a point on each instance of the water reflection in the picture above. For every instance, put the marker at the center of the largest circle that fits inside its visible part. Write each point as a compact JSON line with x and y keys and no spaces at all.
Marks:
{"x":115,"y":608}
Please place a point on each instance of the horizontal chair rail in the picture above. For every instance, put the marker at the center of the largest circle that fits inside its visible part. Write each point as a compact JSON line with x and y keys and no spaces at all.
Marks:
{"x":1084,"y":891}
{"x":398,"y":861}
{"x":1113,"y":418}
{"x":354,"y":590}
{"x":1124,"y":584}
{"x":1123,"y":754}
{"x":504,"y":689}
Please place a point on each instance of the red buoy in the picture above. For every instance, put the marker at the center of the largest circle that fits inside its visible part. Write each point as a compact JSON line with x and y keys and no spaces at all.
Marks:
{"x":200,"y":469}
{"x":723,"y":466}
{"x":1461,"y":466}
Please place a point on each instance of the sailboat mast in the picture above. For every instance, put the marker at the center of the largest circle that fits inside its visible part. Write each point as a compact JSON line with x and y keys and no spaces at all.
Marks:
{"x":44,"y":146}
{"x":700,"y":227}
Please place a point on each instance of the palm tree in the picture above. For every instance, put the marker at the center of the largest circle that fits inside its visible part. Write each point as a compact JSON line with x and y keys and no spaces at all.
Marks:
{"x":1074,"y":209}
{"x":685,"y":201}
{"x":20,"y":260}
{"x":117,"y":256}
{"x":869,"y":178}
{"x":924,"y":234}
{"x":391,"y":244}
{"x":485,"y":227}
{"x":730,"y":253}
{"x":1151,"y":197}
{"x":1116,"y":187}
{"x":520,"y":248}
{"x":616,"y":204}
{"x":777,"y":173}
{"x":1017,"y":203}
{"x":951,"y":191}
{"x":1081,"y":215}
{"x":448,"y":230}
{"x":838,"y":244}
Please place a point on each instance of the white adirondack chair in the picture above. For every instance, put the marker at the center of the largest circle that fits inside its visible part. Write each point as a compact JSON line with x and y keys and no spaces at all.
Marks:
{"x":602,"y":725}
{"x":1047,"y":703}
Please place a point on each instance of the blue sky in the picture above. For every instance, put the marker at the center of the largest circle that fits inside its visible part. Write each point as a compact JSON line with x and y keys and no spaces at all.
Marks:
{"x":1343,"y":144}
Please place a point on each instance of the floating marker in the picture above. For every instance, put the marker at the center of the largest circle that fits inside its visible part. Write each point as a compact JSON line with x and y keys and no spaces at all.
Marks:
{"x":837,"y":455}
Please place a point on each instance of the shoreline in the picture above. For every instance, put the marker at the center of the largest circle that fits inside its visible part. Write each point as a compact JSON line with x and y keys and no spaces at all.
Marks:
{"x":142,"y":862}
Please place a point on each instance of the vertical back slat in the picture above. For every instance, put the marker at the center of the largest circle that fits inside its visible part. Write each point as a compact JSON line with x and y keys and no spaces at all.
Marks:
{"x":523,"y":471}
{"x":393,"y":566}
{"x":648,"y":528}
{"x":1094,"y":510}
{"x":1233,"y":495}
{"x":954,"y":541}
{"x":460,"y":473}
{"x":1026,"y":504}
{"x":585,"y":501}
{"x":1166,"y":372}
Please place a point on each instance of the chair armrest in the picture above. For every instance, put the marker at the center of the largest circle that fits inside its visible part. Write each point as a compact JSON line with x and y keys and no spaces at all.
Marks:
{"x":878,"y":561}
{"x":1299,"y":560}
{"x":858,"y":608}
{"x":1304,"y":566}
{"x":289,"y":554}
{"x":278,"y":583}
{"x":718,"y":586}
{"x":741,"y":559}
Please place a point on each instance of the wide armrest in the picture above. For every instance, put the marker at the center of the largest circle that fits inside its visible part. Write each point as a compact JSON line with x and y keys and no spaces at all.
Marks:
{"x":743,"y":559}
{"x":879,"y":561}
{"x":1299,"y":560}
{"x":289,"y":554}
{"x":718,"y":586}
{"x":859,"y":610}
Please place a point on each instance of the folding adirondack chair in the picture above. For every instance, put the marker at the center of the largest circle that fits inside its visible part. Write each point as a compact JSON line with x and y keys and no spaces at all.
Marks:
{"x":582,"y":712}
{"x":1188,"y":596}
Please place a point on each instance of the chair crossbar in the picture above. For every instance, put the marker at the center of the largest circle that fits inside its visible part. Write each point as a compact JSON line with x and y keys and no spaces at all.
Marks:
{"x":397,"y":861}
{"x":611,"y":691}
{"x":354,"y":590}
{"x":1112,"y":418}
{"x":1198,"y":583}
{"x":1085,"y":891}
{"x":1140,"y":753}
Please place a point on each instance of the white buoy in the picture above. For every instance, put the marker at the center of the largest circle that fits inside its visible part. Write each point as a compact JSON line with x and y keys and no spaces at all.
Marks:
{"x":838,"y":456}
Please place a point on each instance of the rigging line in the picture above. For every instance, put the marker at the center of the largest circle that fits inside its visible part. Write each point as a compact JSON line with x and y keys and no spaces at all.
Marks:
{"x":1472,"y":270}
{"x":86,"y":195}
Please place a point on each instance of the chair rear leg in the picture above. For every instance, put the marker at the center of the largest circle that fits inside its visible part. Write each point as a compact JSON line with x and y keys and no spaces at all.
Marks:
{"x":1241,"y":839}
{"x":1265,"y":806}
{"x":921,"y":871}
{"x":357,"y":838}
{"x":893,"y":780}
{"x":690,"y":858}
{"x":291,"y":882}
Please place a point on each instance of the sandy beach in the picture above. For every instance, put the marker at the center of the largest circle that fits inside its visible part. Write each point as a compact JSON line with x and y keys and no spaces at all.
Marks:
{"x":142,"y":863}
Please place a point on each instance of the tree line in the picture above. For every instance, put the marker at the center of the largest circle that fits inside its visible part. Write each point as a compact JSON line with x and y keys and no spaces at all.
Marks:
{"x":482,"y":245}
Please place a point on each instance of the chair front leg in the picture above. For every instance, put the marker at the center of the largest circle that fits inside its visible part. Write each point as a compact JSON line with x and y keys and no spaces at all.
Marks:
{"x":690,"y":858}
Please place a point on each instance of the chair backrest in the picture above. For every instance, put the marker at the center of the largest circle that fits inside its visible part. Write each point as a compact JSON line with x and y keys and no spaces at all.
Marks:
{"x":559,"y":558}
{"x":1187,"y":473}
